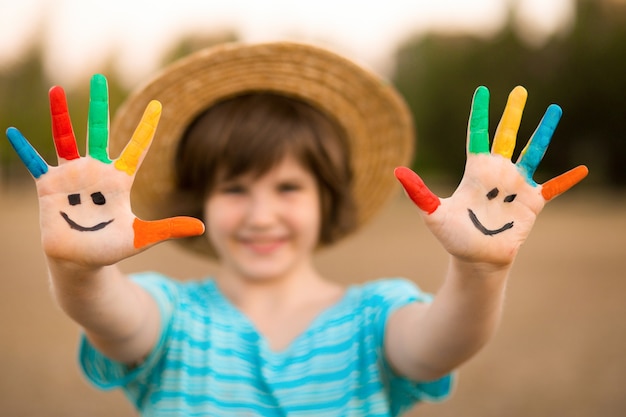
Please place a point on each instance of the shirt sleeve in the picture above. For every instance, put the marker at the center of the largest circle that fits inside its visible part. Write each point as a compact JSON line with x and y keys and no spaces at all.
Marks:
{"x":389,"y":295}
{"x":105,"y":373}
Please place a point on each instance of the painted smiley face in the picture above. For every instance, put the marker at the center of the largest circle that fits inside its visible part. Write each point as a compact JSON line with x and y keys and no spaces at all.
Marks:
{"x":74,"y":200}
{"x":491,"y":232}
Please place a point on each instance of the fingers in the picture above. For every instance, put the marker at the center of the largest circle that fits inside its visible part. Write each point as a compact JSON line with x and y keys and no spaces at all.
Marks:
{"x":534,"y":151}
{"x":506,"y":133}
{"x":563,"y":182}
{"x":98,"y":125}
{"x":62,"y":131}
{"x":478,"y":129}
{"x":150,"y":232}
{"x":131,"y":156}
{"x":417,"y":191}
{"x":29,"y":156}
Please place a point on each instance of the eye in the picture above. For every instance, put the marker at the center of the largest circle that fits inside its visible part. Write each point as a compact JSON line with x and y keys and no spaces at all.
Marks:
{"x":98,"y":198}
{"x":73,"y":199}
{"x":232,"y":189}
{"x":509,"y":198}
{"x":289,"y":187}
{"x":492,"y":194}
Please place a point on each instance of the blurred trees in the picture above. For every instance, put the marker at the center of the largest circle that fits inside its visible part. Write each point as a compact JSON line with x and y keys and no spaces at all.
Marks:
{"x":583,"y":70}
{"x":18,"y":87}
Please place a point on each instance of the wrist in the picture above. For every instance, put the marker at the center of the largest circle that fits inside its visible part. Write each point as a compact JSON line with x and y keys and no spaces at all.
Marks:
{"x":479,"y":270}
{"x":63,"y":268}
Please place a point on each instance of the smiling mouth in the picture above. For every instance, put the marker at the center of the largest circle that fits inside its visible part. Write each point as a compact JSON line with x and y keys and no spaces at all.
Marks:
{"x":483,"y":229}
{"x":80,"y":228}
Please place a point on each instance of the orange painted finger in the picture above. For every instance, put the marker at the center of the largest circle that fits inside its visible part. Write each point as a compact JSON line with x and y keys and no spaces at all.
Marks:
{"x":150,"y":232}
{"x":558,"y":185}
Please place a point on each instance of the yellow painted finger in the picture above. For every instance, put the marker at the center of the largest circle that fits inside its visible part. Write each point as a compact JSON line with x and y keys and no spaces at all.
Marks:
{"x":130,"y":158}
{"x":506,"y":133}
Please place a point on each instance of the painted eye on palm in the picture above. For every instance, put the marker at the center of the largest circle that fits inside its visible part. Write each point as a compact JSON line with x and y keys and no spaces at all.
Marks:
{"x":74,"y":200}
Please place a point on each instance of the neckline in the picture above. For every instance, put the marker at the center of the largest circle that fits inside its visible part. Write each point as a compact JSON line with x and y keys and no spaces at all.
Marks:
{"x":313,"y":324}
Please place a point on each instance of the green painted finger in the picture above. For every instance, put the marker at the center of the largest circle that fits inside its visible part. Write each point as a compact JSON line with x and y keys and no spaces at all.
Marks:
{"x":478,"y":130}
{"x":98,"y":126}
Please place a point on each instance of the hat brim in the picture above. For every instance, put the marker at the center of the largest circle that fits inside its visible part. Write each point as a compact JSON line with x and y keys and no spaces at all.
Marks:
{"x":375,"y":118}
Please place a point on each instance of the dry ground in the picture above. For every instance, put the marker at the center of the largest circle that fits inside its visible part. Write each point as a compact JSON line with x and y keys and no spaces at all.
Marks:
{"x":560,"y":351}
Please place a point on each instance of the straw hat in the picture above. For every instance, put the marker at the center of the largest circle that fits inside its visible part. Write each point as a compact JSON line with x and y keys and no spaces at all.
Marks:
{"x":376,"y":119}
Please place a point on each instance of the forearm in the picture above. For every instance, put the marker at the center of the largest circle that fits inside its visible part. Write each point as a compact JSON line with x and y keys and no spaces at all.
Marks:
{"x":118,"y":317}
{"x":485,"y":221}
{"x":465,"y":312}
{"x":427,"y":342}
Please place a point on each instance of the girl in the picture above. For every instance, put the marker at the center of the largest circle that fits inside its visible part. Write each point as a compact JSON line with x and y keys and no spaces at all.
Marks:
{"x":279,"y":149}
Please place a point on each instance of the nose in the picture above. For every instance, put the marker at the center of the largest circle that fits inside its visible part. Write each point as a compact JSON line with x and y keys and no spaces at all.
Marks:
{"x":262,"y":210}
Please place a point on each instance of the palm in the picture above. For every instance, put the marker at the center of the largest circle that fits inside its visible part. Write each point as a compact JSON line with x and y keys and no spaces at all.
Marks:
{"x":495,"y":205}
{"x":85,"y":209}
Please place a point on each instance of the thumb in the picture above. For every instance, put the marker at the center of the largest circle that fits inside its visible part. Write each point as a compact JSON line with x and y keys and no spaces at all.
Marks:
{"x":150,"y":232}
{"x":563,"y":182}
{"x":417,"y":191}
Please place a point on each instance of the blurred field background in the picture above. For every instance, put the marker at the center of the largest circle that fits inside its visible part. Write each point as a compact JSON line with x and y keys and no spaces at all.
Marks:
{"x":561,"y":348}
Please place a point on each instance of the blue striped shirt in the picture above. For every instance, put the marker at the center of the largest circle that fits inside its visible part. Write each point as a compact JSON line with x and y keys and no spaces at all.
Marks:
{"x":211,"y":361}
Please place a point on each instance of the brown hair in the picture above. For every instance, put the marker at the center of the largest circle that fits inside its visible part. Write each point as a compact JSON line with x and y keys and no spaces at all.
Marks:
{"x":250,"y":134}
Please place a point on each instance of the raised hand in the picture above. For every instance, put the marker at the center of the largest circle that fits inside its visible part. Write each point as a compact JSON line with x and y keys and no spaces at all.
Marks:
{"x":493,"y":209}
{"x":84,"y":202}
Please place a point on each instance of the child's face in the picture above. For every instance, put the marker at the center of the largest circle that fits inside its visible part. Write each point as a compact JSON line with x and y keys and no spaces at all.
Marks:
{"x":267,"y":227}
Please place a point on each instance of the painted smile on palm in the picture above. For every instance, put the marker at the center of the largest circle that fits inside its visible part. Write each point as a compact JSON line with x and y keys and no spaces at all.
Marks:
{"x":477,"y":223}
{"x":74,"y":200}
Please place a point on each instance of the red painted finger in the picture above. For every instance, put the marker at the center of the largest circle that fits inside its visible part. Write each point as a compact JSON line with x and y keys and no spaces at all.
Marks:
{"x":558,"y":185}
{"x":62,"y":131}
{"x":417,"y":191}
{"x":149,"y":232}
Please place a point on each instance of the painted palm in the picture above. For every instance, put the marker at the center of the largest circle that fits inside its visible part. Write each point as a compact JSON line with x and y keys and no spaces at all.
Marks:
{"x":493,"y":209}
{"x":84,"y":202}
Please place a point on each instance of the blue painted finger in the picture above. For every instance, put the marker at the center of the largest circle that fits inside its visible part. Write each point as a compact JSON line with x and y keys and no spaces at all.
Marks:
{"x":29,"y":156}
{"x":536,"y":148}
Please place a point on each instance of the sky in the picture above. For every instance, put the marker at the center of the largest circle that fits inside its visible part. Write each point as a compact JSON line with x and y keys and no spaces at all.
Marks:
{"x":80,"y":35}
